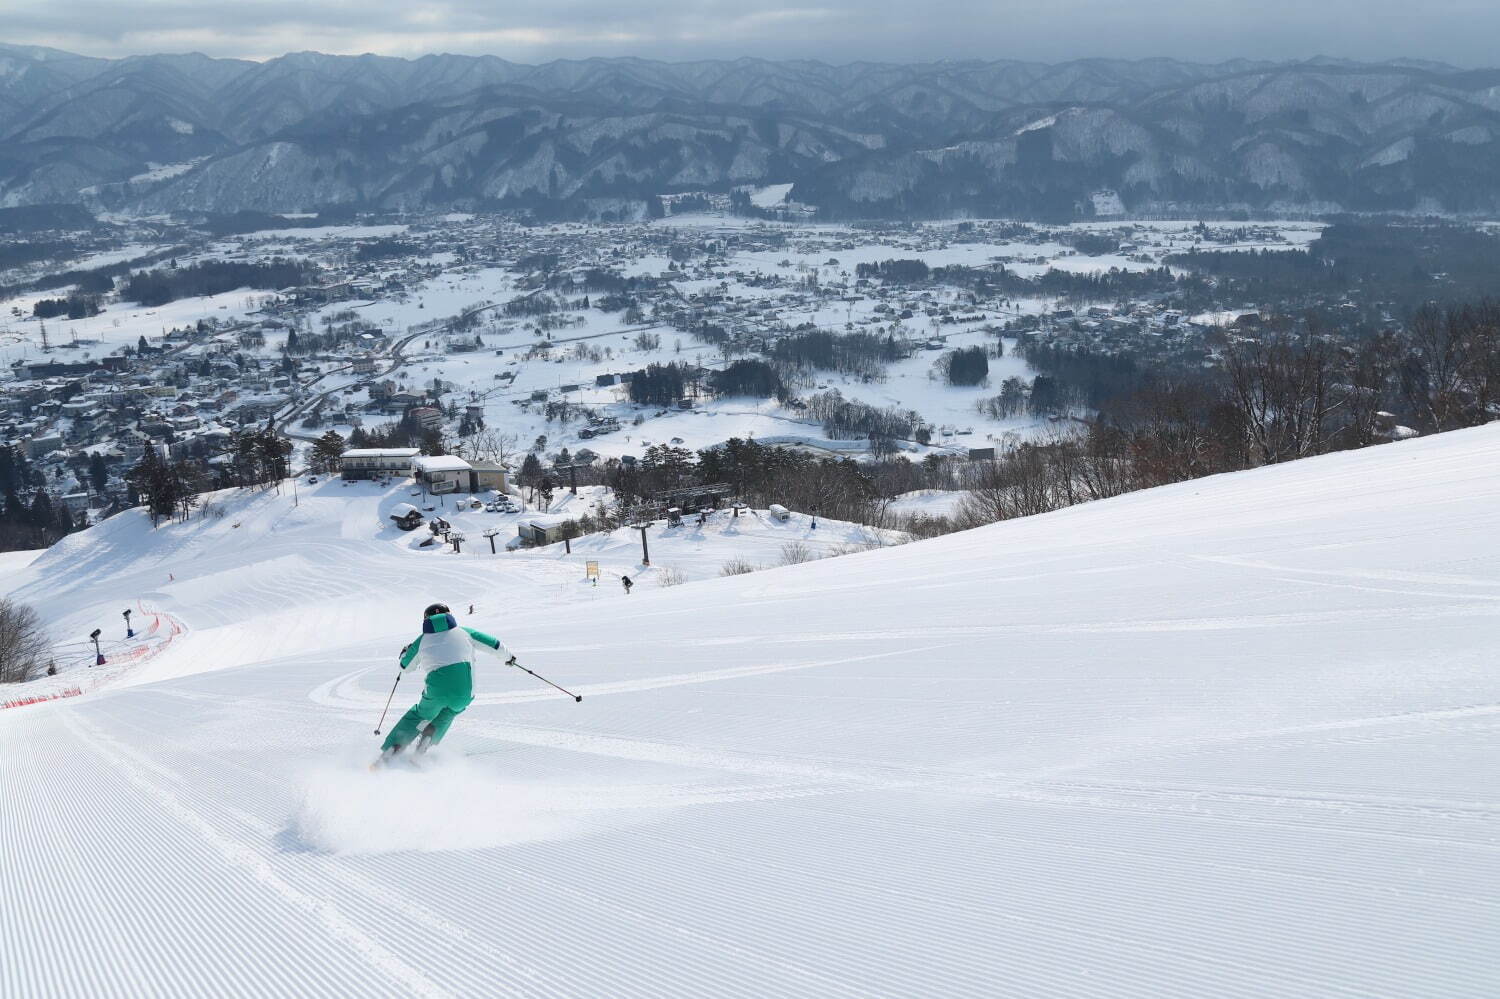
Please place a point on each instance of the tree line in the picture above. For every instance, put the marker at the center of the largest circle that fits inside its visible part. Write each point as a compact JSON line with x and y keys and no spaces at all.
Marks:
{"x":29,"y":518}
{"x":860,"y":354}
{"x":848,"y":419}
{"x":760,"y":475}
{"x":170,"y":489}
{"x":76,"y":306}
{"x":213,"y":277}
{"x":662,"y":384}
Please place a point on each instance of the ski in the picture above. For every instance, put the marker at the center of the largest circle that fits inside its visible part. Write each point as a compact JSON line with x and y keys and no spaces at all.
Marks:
{"x":385,"y":758}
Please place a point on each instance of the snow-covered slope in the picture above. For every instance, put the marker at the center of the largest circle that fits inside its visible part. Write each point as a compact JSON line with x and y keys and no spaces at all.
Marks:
{"x":1232,"y":737}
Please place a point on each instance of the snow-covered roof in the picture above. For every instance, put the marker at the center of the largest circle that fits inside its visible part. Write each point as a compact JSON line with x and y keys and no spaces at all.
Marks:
{"x":382,"y":452}
{"x":403,"y":510}
{"x":440,"y":463}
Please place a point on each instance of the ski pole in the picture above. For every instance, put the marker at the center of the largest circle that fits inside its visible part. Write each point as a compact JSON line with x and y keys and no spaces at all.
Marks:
{"x":388,"y":704}
{"x":576,"y":697}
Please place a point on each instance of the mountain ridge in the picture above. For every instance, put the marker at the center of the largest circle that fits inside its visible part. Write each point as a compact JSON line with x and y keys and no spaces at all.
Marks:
{"x":305,"y":131}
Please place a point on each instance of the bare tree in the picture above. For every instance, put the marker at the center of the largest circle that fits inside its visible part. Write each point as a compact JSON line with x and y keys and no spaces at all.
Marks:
{"x":1029,"y":480}
{"x":1373,"y":371}
{"x":23,"y":644}
{"x":1451,"y":376}
{"x":1288,"y":393}
{"x":1432,"y":377}
{"x":795,"y":553}
{"x":492,"y":445}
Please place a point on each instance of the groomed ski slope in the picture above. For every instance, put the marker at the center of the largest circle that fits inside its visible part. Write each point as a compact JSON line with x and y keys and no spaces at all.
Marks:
{"x":1236,"y":737}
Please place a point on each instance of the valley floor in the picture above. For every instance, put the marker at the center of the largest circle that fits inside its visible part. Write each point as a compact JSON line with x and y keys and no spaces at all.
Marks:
{"x":1231,"y":737}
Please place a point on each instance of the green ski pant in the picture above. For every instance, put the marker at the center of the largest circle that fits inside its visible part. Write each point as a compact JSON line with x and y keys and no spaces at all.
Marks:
{"x":447,"y":692}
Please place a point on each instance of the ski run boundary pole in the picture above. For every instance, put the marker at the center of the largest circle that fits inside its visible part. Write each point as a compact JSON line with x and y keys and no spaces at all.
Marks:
{"x":576,"y":697}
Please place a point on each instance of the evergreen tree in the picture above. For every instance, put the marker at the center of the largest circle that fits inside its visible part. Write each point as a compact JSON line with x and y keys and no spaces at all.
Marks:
{"x":272,"y":450}
{"x":98,"y":472}
{"x":967,"y":366}
{"x":13,"y":470}
{"x":327,"y":450}
{"x":14,"y":508}
{"x":153,"y":481}
{"x":531,"y":470}
{"x":41,"y":514}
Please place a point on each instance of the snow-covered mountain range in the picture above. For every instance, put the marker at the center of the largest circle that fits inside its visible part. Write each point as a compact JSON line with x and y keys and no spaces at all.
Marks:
{"x":1234,"y":736}
{"x":307,"y":131}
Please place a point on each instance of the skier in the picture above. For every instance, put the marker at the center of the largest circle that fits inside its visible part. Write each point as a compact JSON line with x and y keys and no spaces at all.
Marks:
{"x":625,"y":582}
{"x":443,"y":654}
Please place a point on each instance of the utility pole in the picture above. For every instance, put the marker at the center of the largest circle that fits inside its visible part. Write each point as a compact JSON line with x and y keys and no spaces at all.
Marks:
{"x":645,"y":548}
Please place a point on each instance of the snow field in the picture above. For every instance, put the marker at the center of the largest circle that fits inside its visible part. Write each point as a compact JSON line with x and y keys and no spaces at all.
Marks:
{"x":411,"y":807}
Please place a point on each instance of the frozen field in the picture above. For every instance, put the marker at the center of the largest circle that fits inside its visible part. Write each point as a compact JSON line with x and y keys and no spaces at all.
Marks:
{"x":1232,"y":737}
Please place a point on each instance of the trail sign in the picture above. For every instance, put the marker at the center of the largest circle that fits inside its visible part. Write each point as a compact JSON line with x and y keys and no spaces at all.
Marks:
{"x":591,"y":571}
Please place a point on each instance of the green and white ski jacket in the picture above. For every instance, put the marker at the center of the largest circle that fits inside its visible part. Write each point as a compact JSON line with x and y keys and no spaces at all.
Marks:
{"x":444,"y":643}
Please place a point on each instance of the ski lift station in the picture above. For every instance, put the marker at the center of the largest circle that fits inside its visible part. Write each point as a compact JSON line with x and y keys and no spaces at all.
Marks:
{"x":543,"y":529}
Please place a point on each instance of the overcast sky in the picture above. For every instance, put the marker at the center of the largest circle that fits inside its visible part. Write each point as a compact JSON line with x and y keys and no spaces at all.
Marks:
{"x":839,"y":31}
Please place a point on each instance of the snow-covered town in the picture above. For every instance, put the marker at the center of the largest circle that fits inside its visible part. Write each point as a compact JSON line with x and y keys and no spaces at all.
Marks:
{"x":461,"y":325}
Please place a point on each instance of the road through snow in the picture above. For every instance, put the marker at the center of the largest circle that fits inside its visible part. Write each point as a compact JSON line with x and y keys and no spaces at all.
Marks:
{"x":1231,"y":737}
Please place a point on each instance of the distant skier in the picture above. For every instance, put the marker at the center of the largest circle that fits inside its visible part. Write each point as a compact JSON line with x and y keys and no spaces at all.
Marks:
{"x":625,"y":582}
{"x":443,"y":654}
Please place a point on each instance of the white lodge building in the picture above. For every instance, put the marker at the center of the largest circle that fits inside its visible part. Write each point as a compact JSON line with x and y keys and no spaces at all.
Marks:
{"x":447,"y":473}
{"x":443,"y":473}
{"x":377,"y":462}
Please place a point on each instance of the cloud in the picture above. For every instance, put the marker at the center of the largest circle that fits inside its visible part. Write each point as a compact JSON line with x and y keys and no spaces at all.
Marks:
{"x":838,"y":31}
